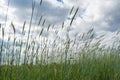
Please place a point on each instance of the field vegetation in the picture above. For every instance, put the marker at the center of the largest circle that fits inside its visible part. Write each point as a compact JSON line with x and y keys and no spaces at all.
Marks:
{"x":81,"y":58}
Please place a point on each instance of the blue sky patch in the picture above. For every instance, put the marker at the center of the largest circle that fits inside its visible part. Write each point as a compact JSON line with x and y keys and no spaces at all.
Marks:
{"x":60,"y":1}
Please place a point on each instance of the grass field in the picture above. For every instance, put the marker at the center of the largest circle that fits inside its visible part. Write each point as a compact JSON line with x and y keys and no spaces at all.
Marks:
{"x":103,"y":68}
{"x":81,"y":58}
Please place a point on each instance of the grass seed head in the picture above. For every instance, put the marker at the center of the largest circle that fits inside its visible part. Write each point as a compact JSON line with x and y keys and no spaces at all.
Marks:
{"x":71,"y":10}
{"x":41,"y":2}
{"x":74,"y":16}
{"x":23,"y":27}
{"x":13,"y":27}
{"x":3,"y":32}
{"x":48,"y":27}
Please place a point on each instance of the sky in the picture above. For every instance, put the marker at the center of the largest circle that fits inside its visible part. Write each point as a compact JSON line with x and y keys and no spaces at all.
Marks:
{"x":102,"y":15}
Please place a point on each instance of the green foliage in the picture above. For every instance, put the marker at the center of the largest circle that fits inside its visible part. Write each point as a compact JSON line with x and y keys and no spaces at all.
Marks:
{"x":103,"y":68}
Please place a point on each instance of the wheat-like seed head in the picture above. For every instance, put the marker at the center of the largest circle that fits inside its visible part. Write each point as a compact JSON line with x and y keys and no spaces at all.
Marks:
{"x":13,"y":27}
{"x":3,"y":32}
{"x":74,"y":16}
{"x":23,"y":27}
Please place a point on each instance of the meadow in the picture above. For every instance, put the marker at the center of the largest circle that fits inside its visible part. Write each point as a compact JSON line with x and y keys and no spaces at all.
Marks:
{"x":81,"y":58}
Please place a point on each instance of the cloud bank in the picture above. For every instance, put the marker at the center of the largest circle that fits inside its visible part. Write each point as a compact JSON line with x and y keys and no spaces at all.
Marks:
{"x":103,"y":15}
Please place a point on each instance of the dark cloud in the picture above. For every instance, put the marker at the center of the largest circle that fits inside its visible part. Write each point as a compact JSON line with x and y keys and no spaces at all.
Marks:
{"x":113,"y":18}
{"x":52,"y":14}
{"x":56,"y":14}
{"x":21,"y":4}
{"x":22,"y":9}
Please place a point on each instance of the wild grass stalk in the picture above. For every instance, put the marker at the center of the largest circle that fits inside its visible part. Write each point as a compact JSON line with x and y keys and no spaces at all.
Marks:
{"x":6,"y":18}
{"x":33,"y":7}
{"x":66,"y":56}
{"x":1,"y":51}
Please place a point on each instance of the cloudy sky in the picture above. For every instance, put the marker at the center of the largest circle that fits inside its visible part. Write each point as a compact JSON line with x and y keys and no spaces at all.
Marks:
{"x":102,"y":15}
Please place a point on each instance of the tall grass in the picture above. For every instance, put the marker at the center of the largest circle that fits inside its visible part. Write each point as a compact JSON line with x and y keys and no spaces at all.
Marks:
{"x":60,"y":59}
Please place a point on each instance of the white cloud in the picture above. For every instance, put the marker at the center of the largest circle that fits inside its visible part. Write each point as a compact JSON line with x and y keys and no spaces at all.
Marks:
{"x":102,"y":15}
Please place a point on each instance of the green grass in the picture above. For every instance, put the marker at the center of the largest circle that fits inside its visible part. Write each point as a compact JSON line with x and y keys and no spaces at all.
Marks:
{"x":106,"y":67}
